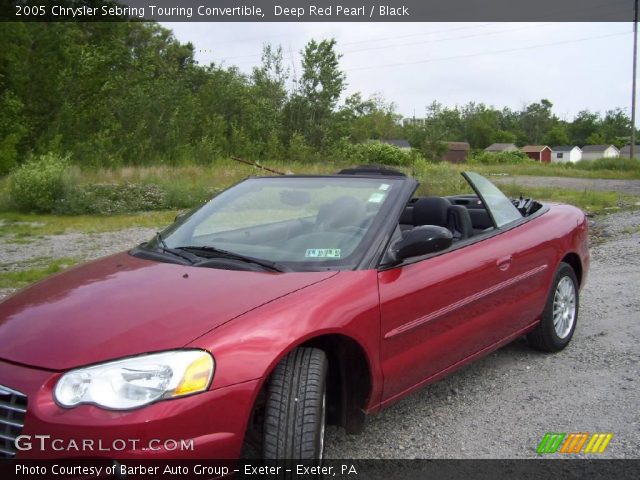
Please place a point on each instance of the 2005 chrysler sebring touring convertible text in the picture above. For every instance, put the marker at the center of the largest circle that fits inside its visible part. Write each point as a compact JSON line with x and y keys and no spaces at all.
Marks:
{"x":281,"y":305}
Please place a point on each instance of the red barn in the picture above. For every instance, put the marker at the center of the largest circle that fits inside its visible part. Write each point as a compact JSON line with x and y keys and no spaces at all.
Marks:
{"x":457,"y":152}
{"x":541,"y":153}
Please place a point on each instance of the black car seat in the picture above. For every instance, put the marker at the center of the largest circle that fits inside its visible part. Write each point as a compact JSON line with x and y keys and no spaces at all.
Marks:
{"x":459,"y":222}
{"x":431,"y":211}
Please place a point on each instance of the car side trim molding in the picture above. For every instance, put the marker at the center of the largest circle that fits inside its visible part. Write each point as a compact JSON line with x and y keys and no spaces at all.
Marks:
{"x":451,"y":368}
{"x":464,"y":302}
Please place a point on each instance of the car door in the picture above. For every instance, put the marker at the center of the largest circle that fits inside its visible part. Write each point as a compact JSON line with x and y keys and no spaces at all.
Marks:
{"x":437,"y":312}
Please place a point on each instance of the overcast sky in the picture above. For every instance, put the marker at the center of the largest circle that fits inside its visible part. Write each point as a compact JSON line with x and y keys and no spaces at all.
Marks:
{"x":575,"y":65}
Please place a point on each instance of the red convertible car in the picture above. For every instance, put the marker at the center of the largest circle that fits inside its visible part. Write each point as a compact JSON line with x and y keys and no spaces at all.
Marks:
{"x":281,"y":305}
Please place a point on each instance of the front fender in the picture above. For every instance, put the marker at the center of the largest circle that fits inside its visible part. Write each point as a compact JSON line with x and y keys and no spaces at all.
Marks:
{"x":250,"y":346}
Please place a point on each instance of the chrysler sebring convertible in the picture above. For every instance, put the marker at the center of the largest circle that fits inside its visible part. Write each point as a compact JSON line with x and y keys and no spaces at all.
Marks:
{"x":282,"y":305}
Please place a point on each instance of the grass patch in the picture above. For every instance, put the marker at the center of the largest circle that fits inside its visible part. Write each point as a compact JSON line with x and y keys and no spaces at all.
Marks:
{"x":440,"y":180}
{"x":445,"y":179}
{"x":590,"y":201}
{"x":21,"y":278}
{"x":24,"y":225}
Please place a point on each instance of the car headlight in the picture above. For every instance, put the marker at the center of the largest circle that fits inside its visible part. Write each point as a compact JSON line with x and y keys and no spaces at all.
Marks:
{"x":137,"y":381}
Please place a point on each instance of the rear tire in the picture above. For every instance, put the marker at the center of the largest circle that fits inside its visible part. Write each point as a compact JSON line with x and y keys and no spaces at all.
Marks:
{"x":555,"y":330}
{"x":295,"y":410}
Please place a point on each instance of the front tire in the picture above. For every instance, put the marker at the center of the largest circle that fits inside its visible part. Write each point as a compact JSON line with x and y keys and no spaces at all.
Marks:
{"x":555,"y":330}
{"x":295,"y":410}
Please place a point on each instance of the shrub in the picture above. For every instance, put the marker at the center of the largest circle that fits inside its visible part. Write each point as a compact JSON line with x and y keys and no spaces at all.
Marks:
{"x":439,"y":179}
{"x":37,"y":185}
{"x":110,"y":199}
{"x":380,"y":153}
{"x":499,"y":158}
{"x":434,"y":150}
{"x":300,"y":151}
{"x":179,"y":195}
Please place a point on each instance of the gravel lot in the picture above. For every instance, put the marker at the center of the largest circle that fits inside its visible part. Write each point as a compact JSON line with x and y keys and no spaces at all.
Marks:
{"x":16,"y":255}
{"x":501,"y":406}
{"x":631,"y":187}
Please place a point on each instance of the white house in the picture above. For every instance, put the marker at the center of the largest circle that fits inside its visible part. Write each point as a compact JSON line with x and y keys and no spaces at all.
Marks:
{"x":418,"y":122}
{"x":594,"y":152}
{"x":566,"y":153}
{"x":626,"y":151}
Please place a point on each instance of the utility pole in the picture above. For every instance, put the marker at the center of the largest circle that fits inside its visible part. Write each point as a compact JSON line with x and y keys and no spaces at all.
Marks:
{"x":633,"y":93}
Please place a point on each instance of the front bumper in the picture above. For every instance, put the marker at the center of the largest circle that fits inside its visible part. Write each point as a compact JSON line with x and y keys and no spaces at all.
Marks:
{"x":208,"y":425}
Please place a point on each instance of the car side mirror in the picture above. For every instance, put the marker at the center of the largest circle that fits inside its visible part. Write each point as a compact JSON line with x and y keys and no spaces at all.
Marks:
{"x":422,"y":240}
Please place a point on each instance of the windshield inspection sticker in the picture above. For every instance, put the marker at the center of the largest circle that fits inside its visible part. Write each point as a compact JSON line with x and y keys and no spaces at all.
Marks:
{"x":323,"y":253}
{"x":376,"y":197}
{"x":384,"y":186}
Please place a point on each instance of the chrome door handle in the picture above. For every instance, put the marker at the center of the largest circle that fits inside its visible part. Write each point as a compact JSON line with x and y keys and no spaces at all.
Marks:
{"x":504,"y":263}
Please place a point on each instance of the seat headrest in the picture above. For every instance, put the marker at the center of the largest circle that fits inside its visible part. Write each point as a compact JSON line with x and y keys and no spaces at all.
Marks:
{"x":431,"y":211}
{"x":406,"y":217}
{"x":344,"y":211}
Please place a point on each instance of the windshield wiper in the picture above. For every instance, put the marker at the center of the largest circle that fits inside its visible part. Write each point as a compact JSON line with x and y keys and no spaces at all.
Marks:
{"x":276,"y":267}
{"x":190,"y":257}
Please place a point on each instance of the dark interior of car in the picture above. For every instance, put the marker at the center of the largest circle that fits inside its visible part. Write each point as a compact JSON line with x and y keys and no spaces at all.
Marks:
{"x":464,"y":215}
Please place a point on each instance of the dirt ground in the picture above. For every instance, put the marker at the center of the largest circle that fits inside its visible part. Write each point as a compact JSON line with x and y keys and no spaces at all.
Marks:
{"x":502,"y":405}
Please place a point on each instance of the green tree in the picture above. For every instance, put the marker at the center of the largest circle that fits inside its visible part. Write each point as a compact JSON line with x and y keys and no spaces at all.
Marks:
{"x":535,"y":120}
{"x":322,"y":80}
{"x":596,"y":138}
{"x":616,"y":127}
{"x":371,"y":119}
{"x":12,"y":130}
{"x":481,"y":123}
{"x":586,"y":123}
{"x":321,"y":85}
{"x":269,"y":94}
{"x":504,"y":136}
{"x":556,"y":135}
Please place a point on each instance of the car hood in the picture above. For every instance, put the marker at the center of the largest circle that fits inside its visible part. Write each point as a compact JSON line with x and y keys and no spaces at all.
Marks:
{"x":123,"y":305}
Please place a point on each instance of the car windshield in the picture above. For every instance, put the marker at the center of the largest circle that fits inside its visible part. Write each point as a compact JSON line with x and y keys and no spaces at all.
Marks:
{"x":304,"y":223}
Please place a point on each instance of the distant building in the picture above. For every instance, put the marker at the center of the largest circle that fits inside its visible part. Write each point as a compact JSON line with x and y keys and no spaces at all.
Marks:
{"x":594,"y":152}
{"x":541,"y":153}
{"x":458,"y":152}
{"x":501,"y":147}
{"x":626,"y":151}
{"x":401,"y":143}
{"x":414,"y":121}
{"x":566,"y":153}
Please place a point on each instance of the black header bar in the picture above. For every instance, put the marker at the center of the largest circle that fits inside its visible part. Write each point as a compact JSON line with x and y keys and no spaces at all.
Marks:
{"x":321,"y":10}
